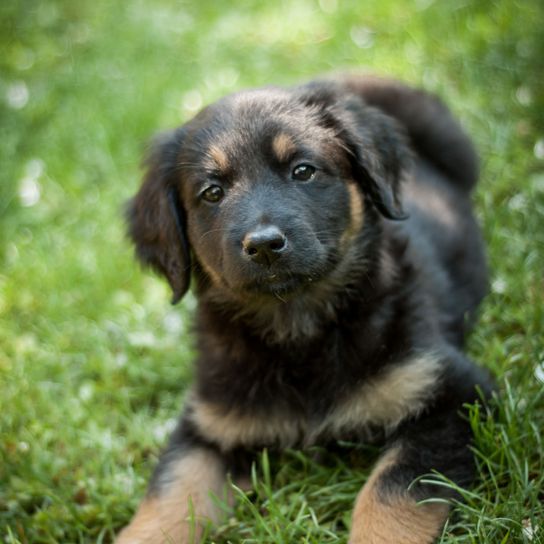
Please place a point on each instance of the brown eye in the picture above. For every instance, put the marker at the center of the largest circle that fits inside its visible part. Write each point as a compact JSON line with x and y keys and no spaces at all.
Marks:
{"x":303,"y":172}
{"x":213,"y":193}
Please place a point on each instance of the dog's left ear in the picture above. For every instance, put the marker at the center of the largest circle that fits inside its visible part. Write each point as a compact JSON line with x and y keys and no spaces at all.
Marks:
{"x":376,"y":145}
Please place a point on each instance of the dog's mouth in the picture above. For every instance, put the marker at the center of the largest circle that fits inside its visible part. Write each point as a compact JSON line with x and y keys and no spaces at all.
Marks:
{"x":279,"y":284}
{"x":284,"y":279}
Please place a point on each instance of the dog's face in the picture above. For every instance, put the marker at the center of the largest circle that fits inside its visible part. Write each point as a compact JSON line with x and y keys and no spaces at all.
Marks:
{"x":266,"y":193}
{"x":268,"y":189}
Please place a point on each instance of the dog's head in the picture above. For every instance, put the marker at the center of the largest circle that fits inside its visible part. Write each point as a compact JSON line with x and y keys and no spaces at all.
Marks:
{"x":265,"y":190}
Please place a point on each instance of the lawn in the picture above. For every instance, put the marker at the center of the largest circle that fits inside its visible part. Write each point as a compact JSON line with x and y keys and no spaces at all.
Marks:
{"x":93,"y":359}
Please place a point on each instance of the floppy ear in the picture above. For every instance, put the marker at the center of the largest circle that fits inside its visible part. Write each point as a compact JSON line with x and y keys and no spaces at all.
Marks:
{"x":379,"y":154}
{"x":156,"y":219}
{"x":375,"y":142}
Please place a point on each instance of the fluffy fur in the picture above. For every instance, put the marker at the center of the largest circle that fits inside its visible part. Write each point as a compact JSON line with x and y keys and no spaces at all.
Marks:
{"x":329,"y":235}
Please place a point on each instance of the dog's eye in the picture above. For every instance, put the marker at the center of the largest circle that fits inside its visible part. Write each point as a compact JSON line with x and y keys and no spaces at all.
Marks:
{"x":303,"y":172}
{"x":214,"y":193}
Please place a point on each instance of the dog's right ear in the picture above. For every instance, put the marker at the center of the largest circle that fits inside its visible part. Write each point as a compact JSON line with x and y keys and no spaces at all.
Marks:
{"x":156,"y":218}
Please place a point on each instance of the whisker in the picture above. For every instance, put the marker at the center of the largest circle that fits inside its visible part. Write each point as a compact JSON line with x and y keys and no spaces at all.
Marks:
{"x":209,"y":232}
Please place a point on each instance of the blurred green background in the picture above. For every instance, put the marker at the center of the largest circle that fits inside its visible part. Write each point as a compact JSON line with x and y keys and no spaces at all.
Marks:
{"x":93,"y":360}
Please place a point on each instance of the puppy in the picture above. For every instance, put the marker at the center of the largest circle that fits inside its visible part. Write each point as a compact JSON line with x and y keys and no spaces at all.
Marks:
{"x":328,"y":233}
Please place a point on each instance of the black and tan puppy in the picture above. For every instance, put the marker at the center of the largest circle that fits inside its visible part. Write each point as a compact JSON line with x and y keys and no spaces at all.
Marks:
{"x":336,"y":261}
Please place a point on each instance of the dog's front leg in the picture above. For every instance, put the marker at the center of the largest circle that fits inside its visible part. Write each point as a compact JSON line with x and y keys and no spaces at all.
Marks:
{"x":388,"y":509}
{"x":180,"y":500}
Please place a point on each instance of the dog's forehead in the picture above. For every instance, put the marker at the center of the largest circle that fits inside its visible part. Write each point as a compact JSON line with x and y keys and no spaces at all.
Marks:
{"x":256,"y":124}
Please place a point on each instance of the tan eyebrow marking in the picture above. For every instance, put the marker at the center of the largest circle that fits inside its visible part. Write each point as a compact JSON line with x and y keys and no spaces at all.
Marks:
{"x":219,"y":157}
{"x":283,"y":147}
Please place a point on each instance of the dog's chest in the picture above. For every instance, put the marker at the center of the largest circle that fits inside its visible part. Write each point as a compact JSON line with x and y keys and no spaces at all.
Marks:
{"x":382,"y":402}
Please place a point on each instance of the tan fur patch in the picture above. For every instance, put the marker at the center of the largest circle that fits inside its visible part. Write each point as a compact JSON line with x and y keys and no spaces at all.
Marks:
{"x":188,"y":489}
{"x":433,"y":203}
{"x":356,"y":207}
{"x":356,"y":210}
{"x":232,"y":429}
{"x":440,"y":209}
{"x":385,"y":401}
{"x":283,"y":147}
{"x":219,"y":157}
{"x":397,"y":520}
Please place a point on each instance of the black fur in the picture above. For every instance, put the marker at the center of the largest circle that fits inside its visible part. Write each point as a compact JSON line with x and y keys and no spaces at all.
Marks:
{"x":352,"y":296}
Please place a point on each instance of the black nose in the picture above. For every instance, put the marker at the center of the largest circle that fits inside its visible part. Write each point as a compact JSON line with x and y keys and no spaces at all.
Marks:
{"x":265,"y":244}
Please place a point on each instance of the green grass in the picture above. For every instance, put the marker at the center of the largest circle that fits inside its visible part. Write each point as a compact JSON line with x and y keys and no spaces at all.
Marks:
{"x":93,"y":360}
